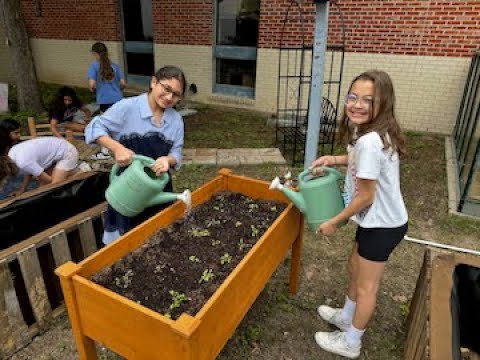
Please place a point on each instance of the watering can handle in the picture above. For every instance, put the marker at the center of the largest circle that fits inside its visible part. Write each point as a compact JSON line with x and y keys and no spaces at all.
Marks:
{"x":328,"y":170}
{"x":145,"y":159}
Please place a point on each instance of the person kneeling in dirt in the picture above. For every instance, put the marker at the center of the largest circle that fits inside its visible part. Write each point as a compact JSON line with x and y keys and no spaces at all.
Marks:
{"x":49,"y":159}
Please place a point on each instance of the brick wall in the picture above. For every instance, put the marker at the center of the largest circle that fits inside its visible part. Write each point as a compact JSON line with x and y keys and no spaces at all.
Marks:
{"x":434,"y":27}
{"x":73,"y":19}
{"x":183,"y":22}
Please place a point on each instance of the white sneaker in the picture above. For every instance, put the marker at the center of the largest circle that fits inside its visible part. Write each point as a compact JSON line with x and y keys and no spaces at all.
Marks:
{"x":333,"y":316}
{"x":100,"y":156}
{"x":336,"y":342}
{"x":84,"y":167}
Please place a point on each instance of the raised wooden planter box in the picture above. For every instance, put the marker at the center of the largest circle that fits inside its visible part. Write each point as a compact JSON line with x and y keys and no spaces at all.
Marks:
{"x":136,"y":332}
{"x":430,"y":317}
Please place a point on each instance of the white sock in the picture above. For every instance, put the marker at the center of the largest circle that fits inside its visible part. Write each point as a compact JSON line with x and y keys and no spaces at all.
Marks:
{"x":354,"y":336}
{"x":348,"y":310}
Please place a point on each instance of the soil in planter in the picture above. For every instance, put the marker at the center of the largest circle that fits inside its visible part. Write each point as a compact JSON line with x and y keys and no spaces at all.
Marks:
{"x":179,"y":268}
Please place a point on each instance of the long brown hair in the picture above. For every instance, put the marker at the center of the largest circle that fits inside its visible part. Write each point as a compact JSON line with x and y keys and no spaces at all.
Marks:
{"x":106,"y":70}
{"x":384,"y":122}
{"x":7,"y":168}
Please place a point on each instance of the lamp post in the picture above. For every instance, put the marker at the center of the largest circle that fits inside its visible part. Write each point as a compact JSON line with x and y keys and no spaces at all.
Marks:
{"x":316,"y":85}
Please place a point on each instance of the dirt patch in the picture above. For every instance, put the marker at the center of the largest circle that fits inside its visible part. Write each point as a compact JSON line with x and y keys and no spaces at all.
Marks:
{"x":180,"y":267}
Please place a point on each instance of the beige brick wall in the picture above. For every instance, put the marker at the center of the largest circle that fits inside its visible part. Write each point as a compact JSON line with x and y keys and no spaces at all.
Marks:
{"x":6,"y":68}
{"x":195,"y":61}
{"x":428,"y":88}
{"x":67,"y":61}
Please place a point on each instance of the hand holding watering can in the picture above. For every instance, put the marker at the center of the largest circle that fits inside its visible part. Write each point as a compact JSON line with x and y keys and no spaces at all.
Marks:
{"x":139,"y":187}
{"x":318,"y":197}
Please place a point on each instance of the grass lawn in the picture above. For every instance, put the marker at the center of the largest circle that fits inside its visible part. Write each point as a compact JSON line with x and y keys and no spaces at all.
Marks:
{"x":280,"y":325}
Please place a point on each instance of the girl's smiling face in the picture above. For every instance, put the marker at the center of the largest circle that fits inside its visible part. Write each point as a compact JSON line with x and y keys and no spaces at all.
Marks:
{"x":360,"y":105}
{"x":166,"y":92}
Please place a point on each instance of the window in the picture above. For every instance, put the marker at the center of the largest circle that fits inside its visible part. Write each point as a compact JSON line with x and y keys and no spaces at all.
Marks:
{"x":236,"y":46}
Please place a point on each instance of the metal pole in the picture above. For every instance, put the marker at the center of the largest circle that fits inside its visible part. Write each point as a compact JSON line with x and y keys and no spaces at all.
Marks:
{"x":316,"y":86}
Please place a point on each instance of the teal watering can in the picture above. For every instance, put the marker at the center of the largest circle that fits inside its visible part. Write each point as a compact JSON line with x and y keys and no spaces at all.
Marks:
{"x":138,"y":187}
{"x":318,"y":197}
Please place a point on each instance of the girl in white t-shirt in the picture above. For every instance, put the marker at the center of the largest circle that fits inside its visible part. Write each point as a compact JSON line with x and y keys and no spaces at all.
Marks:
{"x":372,"y":200}
{"x":49,"y":159}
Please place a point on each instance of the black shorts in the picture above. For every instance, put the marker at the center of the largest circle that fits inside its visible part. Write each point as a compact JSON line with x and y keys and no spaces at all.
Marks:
{"x":376,"y":244}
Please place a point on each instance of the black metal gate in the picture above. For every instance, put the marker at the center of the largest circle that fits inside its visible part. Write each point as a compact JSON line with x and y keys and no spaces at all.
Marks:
{"x":293,"y":92}
{"x":466,"y":136}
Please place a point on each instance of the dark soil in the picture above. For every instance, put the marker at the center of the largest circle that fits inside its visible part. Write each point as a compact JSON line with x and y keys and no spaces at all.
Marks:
{"x":179,"y":268}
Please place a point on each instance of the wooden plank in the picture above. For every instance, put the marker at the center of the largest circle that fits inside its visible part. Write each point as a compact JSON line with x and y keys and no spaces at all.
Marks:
{"x":60,"y":249}
{"x":41,"y":189}
{"x":35,"y":285}
{"x":13,"y":330}
{"x":87,"y":237}
{"x":64,"y":225}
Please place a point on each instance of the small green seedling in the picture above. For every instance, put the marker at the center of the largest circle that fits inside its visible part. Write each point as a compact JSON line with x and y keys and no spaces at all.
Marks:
{"x":177,"y":299}
{"x":125,"y":280}
{"x":225,"y":259}
{"x":216,"y":242}
{"x":207,"y":275}
{"x":242,"y":245}
{"x":193,"y":258}
{"x":238,"y":223}
{"x":255,"y":231}
{"x":200,"y":233}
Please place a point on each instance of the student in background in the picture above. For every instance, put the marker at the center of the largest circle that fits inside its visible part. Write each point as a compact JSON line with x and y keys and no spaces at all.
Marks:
{"x":105,"y":78}
{"x":68,"y":111}
{"x":107,"y":81}
{"x":47,"y":158}
{"x":9,"y":132}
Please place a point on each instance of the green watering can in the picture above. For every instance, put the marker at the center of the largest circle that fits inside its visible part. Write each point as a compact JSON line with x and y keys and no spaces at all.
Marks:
{"x":318,"y":197}
{"x":138,"y":187}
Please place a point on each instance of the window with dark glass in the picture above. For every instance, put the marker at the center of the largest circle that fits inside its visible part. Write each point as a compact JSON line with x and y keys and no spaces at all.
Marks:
{"x":236,"y":46}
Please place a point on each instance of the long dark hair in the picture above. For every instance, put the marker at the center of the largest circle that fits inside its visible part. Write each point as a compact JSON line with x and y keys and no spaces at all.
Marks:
{"x":172,"y":72}
{"x":384,"y":122}
{"x":57,"y":106}
{"x":106,"y":70}
{"x":6,"y":127}
{"x":7,"y":166}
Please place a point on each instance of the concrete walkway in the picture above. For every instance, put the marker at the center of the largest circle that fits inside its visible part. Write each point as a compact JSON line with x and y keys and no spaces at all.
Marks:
{"x":232,"y":157}
{"x":208,"y":156}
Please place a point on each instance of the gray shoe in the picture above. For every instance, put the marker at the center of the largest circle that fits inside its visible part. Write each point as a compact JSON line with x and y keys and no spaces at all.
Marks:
{"x":332,"y":316}
{"x":336,"y":342}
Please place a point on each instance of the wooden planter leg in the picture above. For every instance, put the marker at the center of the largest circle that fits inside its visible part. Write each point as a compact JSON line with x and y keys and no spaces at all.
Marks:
{"x":296,"y":256}
{"x":85,"y":345}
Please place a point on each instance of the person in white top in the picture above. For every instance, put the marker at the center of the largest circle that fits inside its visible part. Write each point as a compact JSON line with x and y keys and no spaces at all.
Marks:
{"x":49,"y":159}
{"x":373,"y":200}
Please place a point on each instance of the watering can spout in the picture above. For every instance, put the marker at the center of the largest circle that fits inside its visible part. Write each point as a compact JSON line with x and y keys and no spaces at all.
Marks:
{"x":294,"y":196}
{"x":165,"y":197}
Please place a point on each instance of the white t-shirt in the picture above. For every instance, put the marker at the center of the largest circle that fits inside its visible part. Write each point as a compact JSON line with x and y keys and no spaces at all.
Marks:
{"x":368,"y":160}
{"x":33,"y":156}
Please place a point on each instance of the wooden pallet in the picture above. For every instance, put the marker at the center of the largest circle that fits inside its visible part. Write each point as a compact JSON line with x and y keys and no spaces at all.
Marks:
{"x":30,"y":293}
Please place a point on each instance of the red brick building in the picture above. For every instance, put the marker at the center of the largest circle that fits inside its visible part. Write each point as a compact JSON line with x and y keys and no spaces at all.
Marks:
{"x":229,"y":48}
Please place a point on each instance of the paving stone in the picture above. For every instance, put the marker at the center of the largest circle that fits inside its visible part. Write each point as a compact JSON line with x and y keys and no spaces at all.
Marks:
{"x":274,"y":159}
{"x":250,"y":159}
{"x":206,"y":160}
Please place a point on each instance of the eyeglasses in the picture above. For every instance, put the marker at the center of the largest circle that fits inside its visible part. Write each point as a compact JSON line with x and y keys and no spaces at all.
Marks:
{"x":352,"y":99}
{"x":169,"y":90}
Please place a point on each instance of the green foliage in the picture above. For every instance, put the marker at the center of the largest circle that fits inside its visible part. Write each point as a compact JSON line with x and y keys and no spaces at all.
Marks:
{"x":200,"y":233}
{"x":207,"y":275}
{"x":225,"y":259}
{"x":125,"y":280}
{"x":177,"y":299}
